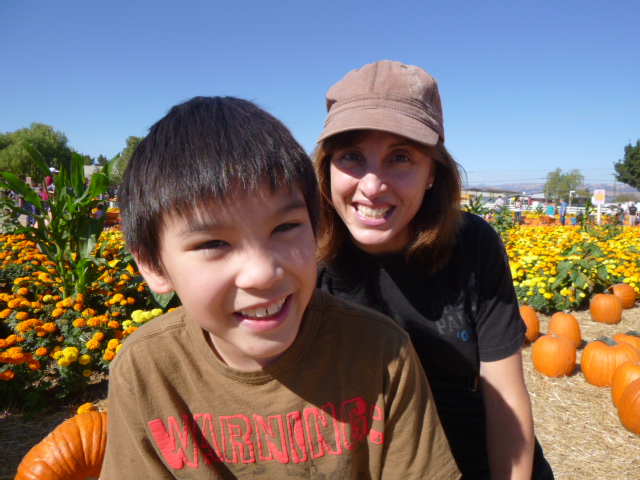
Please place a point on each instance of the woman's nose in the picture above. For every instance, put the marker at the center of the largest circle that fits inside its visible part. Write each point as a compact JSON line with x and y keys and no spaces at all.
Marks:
{"x":372,"y":184}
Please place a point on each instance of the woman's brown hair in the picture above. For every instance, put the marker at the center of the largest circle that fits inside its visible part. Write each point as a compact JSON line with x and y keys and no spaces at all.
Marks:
{"x":435,"y":224}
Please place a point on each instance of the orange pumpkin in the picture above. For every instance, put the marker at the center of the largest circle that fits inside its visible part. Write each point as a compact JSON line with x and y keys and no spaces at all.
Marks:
{"x":554,"y":356}
{"x":629,"y":407}
{"x":625,"y":292}
{"x":566,"y":325}
{"x":74,"y":450}
{"x":606,"y":308}
{"x":602,"y":357}
{"x":532,"y":322}
{"x":631,"y":337}
{"x":623,"y":376}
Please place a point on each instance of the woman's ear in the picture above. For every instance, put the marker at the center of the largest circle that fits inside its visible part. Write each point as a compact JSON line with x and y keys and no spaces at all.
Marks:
{"x":158,"y":281}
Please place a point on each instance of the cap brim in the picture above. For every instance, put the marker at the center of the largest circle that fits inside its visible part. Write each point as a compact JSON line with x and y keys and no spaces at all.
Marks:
{"x":377,"y":119}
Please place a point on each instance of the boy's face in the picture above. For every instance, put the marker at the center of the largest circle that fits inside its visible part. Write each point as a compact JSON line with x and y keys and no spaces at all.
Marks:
{"x":244,"y":270}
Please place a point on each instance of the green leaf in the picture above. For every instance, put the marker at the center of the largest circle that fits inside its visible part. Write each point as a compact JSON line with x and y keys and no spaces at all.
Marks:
{"x":603,"y":273}
{"x":77,"y":174}
{"x":109,"y":167}
{"x":21,"y":188}
{"x":578,"y":278}
{"x":37,"y":157}
{"x":162,"y":300}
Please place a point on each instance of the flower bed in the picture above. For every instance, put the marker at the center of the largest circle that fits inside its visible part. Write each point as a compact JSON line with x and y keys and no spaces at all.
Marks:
{"x":54,"y":346}
{"x":558,"y":268}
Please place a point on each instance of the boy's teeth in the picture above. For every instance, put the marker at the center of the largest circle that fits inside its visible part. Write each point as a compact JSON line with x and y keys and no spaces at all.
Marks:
{"x":262,"y":312}
{"x":375,"y":213}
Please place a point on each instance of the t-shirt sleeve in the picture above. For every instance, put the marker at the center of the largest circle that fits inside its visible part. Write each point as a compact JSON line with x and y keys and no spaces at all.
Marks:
{"x":129,"y":453}
{"x":499,"y":326}
{"x":416,"y":446}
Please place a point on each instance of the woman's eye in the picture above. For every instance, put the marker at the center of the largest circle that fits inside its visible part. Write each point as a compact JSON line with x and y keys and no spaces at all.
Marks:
{"x":350,"y":158}
{"x":400,"y":158}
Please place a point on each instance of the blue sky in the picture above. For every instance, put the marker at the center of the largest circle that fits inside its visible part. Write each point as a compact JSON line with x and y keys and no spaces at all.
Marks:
{"x":527,"y":86}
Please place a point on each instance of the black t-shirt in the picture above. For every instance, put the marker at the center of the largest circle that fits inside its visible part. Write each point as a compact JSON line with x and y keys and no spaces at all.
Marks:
{"x":633,"y":210}
{"x":464,"y":314}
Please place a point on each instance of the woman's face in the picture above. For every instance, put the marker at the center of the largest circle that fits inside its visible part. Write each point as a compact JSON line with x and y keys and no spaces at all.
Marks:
{"x":377,"y":187}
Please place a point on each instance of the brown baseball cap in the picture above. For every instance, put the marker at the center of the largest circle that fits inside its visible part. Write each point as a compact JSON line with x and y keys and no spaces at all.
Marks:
{"x":388,"y":96}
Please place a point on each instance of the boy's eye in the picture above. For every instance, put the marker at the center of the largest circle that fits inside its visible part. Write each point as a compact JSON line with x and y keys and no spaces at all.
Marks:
{"x":285,"y":227}
{"x":211,"y":245}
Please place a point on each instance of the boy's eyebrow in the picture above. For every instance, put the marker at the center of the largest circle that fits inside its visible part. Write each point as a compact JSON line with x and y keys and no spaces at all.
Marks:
{"x":210,"y":224}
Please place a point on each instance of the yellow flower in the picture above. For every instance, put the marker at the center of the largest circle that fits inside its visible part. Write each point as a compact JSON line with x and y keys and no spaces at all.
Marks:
{"x":86,"y":373}
{"x":84,"y":359}
{"x":92,"y":344}
{"x":64,"y":362}
{"x":87,"y":407}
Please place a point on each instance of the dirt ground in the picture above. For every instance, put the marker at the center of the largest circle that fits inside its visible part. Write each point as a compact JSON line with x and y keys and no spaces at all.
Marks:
{"x":575,"y":422}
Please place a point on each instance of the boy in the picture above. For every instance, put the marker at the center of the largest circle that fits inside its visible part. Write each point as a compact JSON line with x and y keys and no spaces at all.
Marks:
{"x":256,"y":375}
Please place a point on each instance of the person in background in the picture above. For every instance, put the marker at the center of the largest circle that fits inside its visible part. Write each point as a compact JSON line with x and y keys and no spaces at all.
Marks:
{"x":517,"y":210}
{"x":393,"y":238}
{"x":551,"y":211}
{"x":499,"y":205}
{"x":563,"y":211}
{"x":633,"y":212}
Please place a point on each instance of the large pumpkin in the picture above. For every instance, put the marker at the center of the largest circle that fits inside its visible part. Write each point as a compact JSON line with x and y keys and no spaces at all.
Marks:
{"x":566,"y":325}
{"x":625,"y":292}
{"x":74,"y":450}
{"x":606,"y":308}
{"x":632,"y":337}
{"x":554,"y":356}
{"x":629,"y":407}
{"x":623,"y":376}
{"x":602,"y":357}
{"x":532,"y":322}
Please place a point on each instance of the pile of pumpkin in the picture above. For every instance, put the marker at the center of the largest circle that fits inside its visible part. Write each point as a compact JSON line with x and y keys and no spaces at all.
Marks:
{"x":606,"y":362}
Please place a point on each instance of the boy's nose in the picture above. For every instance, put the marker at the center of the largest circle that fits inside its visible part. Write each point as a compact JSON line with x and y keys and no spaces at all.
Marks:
{"x":260,"y":270}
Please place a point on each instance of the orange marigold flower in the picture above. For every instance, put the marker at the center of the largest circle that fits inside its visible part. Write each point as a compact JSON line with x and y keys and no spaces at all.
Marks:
{"x":94,"y":322}
{"x":130,"y":269}
{"x":41,"y":352}
{"x":124,"y":277}
{"x":22,"y":316}
{"x":50,"y":327}
{"x":25,"y":303}
{"x":113,"y":324}
{"x":92,"y":344}
{"x":108,"y":355}
{"x":118,"y":297}
{"x":113,"y":343}
{"x":79,"y":322}
{"x":115,"y":314}
{"x":141,"y":288}
{"x":109,"y":280}
{"x":129,"y":331}
{"x":5,"y":313}
{"x":33,"y":364}
{"x":15,"y":303}
{"x":7,"y":375}
{"x":57,"y":313}
{"x":79,"y":298}
{"x":23,"y":291}
{"x":78,"y":307}
{"x":119,"y":335}
{"x":98,"y":336}
{"x":88,"y":312}
{"x":131,"y":301}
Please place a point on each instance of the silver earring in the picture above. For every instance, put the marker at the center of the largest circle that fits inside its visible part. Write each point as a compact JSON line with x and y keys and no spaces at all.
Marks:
{"x":430,"y":185}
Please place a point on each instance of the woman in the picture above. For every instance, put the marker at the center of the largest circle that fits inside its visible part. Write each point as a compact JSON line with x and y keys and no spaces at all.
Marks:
{"x":393,"y":238}
{"x":517,"y":209}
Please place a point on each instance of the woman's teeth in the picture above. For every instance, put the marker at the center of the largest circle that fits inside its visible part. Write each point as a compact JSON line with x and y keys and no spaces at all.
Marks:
{"x":374,"y":213}
{"x":262,"y":312}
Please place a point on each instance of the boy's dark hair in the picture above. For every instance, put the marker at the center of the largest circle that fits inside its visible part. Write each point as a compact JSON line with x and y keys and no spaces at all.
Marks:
{"x":207,"y":149}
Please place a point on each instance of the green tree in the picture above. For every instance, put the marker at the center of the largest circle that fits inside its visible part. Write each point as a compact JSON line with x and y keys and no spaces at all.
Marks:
{"x":101,"y":160}
{"x":558,"y":184}
{"x":628,"y":168}
{"x":86,"y":159}
{"x":125,"y":156}
{"x":50,"y":143}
